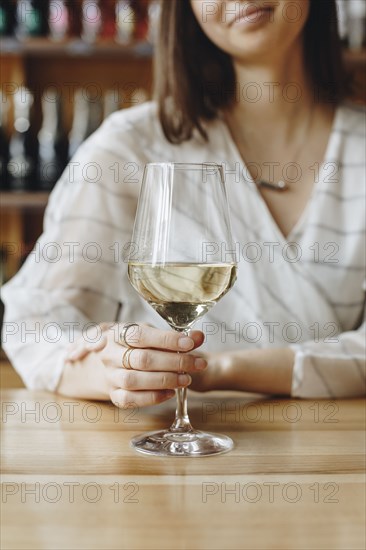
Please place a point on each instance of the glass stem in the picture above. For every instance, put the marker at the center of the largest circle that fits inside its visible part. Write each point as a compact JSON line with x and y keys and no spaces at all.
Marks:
{"x":181,"y":422}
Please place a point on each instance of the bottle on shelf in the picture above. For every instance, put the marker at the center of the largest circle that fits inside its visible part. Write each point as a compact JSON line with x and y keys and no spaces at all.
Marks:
{"x":88,"y":116}
{"x":126,"y":20}
{"x":75,"y":18}
{"x":58,"y":20}
{"x":141,"y":8}
{"x":91,"y":21}
{"x":4,"y":143}
{"x":153,"y":20}
{"x":357,"y":23}
{"x":7,"y":18}
{"x":52,"y":142}
{"x":108,"y":30}
{"x":21,"y":168}
{"x":342,"y":12}
{"x":32,"y":18}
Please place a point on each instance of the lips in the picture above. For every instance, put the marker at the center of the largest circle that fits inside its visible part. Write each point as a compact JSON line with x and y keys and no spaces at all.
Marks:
{"x":249,"y":13}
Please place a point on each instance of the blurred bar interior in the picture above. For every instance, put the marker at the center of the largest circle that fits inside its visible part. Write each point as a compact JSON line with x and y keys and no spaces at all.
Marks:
{"x":65,"y":66}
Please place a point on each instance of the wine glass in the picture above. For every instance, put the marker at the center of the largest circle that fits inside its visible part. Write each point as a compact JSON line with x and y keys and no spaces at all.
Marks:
{"x":182,"y":262}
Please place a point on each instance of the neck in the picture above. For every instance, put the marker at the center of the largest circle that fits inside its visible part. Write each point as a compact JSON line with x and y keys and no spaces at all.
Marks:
{"x":272,"y":93}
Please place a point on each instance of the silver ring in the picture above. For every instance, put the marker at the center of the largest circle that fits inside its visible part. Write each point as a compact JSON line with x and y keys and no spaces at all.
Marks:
{"x":126,"y":359}
{"x":122,"y":334}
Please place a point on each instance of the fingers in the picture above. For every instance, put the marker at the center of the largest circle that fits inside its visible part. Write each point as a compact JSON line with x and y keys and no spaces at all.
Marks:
{"x":145,"y":336}
{"x":153,"y":360}
{"x":131,"y":380}
{"x":138,"y":336}
{"x":125,"y":399}
{"x":141,"y":389}
{"x":83,"y":348}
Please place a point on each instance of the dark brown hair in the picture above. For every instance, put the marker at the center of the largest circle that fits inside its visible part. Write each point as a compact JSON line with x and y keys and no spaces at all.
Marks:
{"x":194,"y":79}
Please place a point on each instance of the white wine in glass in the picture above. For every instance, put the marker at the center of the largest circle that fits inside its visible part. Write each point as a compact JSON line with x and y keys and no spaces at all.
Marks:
{"x":182,"y":263}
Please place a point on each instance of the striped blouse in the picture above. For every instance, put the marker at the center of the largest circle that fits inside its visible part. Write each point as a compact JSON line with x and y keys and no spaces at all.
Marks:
{"x":306,"y":291}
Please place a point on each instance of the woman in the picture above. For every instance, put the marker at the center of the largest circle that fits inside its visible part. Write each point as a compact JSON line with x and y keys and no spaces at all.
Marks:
{"x":257,"y":86}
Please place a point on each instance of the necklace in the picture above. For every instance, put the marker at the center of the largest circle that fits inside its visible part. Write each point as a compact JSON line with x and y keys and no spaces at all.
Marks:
{"x":279,"y":186}
{"x":282,"y":185}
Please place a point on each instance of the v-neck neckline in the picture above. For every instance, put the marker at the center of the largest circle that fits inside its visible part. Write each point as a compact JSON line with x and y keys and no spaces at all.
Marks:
{"x":297,"y":228}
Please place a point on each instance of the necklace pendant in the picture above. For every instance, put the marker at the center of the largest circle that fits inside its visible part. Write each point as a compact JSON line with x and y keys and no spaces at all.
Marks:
{"x":280,"y":186}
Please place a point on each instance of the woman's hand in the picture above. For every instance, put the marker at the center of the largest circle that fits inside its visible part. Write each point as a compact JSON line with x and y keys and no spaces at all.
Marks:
{"x":95,"y":371}
{"x":265,"y":371}
{"x":156,"y":367}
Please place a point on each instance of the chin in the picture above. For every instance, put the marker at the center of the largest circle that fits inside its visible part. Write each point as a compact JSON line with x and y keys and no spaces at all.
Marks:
{"x":252,"y":47}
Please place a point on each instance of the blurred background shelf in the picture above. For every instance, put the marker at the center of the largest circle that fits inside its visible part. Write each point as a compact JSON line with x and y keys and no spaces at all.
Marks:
{"x":355,"y":58}
{"x":45,"y":47}
{"x":23,"y":200}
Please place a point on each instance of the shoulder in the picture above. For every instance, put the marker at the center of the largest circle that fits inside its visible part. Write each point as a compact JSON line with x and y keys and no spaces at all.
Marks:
{"x":137,"y":132}
{"x":130,"y":130}
{"x":135,"y":135}
{"x":143,"y":117}
{"x":352,"y":121}
{"x":127,"y":140}
{"x":350,"y":141}
{"x":111,"y":161}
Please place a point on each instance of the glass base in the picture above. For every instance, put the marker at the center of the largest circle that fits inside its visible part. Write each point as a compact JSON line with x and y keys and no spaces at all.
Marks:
{"x":182,"y":444}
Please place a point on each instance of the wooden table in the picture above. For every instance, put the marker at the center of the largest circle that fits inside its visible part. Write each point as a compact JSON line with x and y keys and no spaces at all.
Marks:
{"x":71,"y":481}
